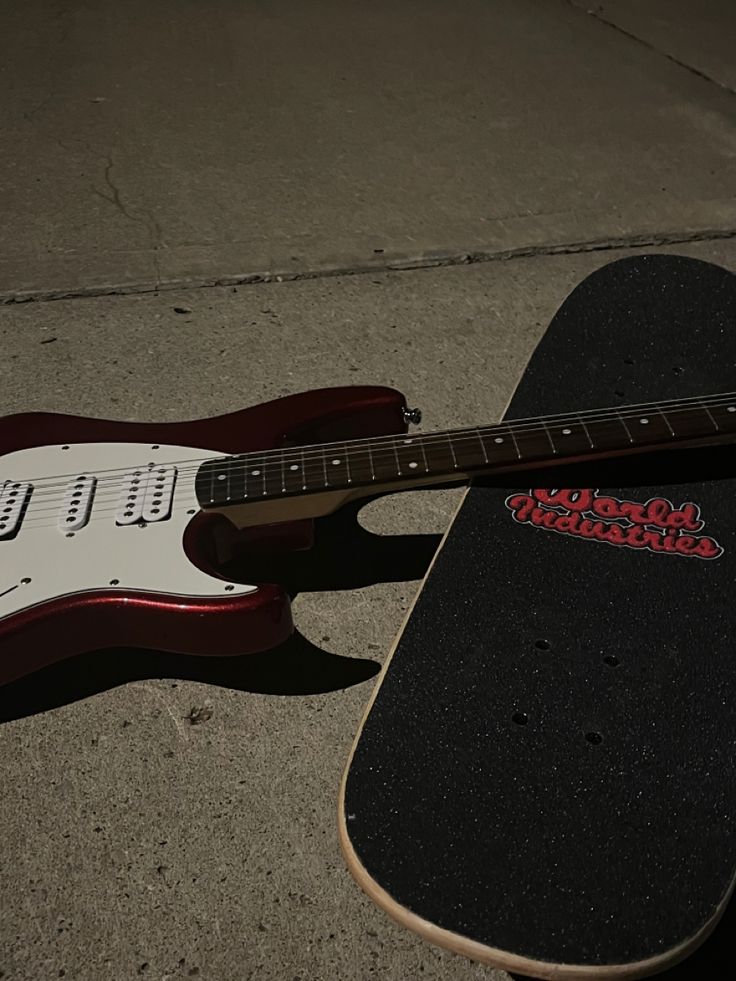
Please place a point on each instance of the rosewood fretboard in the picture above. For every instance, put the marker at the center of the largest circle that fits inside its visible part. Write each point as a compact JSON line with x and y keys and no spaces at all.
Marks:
{"x":424,"y":458}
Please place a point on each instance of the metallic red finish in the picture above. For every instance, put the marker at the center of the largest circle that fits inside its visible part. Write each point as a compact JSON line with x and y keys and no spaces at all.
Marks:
{"x":225,"y":625}
{"x":52,"y":631}
{"x":309,"y":417}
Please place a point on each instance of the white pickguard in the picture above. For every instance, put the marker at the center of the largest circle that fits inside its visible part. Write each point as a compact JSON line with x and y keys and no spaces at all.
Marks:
{"x":102,"y":554}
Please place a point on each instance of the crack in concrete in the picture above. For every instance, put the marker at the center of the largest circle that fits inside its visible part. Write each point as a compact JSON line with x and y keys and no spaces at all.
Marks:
{"x":398,"y":264}
{"x":595,"y":13}
{"x":144,"y":218}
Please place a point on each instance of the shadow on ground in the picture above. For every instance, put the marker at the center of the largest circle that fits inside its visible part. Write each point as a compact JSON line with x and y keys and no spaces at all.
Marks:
{"x":345,"y":556}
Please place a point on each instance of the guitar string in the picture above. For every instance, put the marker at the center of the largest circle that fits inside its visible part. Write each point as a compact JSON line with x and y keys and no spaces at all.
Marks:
{"x":102,"y":505}
{"x":396,"y":441}
{"x":390,"y":443}
{"x":512,"y":425}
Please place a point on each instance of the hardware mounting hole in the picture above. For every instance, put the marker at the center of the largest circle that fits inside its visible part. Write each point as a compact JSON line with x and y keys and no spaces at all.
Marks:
{"x":594,"y":737}
{"x":611,"y":660}
{"x":542,"y":645}
{"x":520,"y":718}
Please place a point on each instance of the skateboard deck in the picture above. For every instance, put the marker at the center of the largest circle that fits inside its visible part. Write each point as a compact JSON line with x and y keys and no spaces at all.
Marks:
{"x":544,"y":778}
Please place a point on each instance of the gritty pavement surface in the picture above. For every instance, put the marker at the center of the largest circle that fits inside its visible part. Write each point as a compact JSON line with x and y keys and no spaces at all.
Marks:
{"x":148,"y":144}
{"x":171,"y":818}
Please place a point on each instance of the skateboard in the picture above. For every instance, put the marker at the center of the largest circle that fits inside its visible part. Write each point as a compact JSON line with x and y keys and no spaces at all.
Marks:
{"x":544,"y":778}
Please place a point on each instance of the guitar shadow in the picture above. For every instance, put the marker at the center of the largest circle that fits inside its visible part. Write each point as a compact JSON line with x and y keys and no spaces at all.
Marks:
{"x":344,"y":556}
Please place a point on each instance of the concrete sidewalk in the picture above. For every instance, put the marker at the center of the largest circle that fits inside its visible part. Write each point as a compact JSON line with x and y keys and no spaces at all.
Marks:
{"x":173,"y":145}
{"x":150,"y":144}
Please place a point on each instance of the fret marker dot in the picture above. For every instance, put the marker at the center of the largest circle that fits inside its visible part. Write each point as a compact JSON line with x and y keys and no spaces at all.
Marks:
{"x":408,"y":441}
{"x":643,"y":421}
{"x":255,"y":473}
{"x":294,"y":466}
{"x":221,"y":476}
{"x":498,"y":439}
{"x":335,"y":462}
{"x":731,"y":408}
{"x":566,"y":432}
{"x":413,"y":464}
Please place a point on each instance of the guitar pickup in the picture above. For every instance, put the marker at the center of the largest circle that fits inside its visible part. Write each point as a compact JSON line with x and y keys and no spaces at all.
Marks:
{"x":13,"y":499}
{"x":75,"y":510}
{"x":146,"y":496}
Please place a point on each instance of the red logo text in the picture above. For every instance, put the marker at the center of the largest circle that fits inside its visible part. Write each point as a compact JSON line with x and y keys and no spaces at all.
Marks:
{"x":657,"y":526}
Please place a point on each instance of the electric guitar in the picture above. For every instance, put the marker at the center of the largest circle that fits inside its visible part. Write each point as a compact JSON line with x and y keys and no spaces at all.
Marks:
{"x":113,"y":533}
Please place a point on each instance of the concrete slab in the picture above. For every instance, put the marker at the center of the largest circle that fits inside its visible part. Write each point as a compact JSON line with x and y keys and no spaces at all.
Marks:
{"x":700,"y":36}
{"x":137,"y":845}
{"x":149,"y":144}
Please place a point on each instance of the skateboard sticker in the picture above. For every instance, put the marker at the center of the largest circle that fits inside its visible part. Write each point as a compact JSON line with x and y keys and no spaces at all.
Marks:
{"x":654,"y":526}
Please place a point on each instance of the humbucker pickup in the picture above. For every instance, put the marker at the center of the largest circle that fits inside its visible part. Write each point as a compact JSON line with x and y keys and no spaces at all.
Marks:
{"x":146,"y":496}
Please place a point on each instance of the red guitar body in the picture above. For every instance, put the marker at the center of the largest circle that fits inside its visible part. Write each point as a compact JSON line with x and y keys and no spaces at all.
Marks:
{"x":208,"y":625}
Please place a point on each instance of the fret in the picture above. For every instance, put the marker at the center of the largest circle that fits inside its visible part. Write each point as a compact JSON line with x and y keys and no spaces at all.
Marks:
{"x":647,"y":427}
{"x":337,"y":466}
{"x":293,"y":469}
{"x":272,"y":475}
{"x":467,"y":454}
{"x":570,"y":437}
{"x":313,"y":471}
{"x":410,"y":456}
{"x":385,"y":463}
{"x":236,"y":478}
{"x":500,"y":445}
{"x":533,"y":440}
{"x":211,"y":481}
{"x":710,"y":415}
{"x":549,"y":436}
{"x":515,"y":442}
{"x":587,"y":432}
{"x":438,"y":453}
{"x":666,"y":421}
{"x":254,"y":467}
{"x":360,"y":463}
{"x":690,"y":421}
{"x":626,"y":428}
{"x":348,"y":471}
{"x":482,"y":446}
{"x":616,"y":431}
{"x":724,"y":415}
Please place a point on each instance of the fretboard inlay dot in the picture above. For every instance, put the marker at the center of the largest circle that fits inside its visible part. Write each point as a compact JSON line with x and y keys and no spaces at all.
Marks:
{"x":731,"y":408}
{"x":294,"y":466}
{"x":413,"y":464}
{"x":643,"y":421}
{"x":256,"y":473}
{"x":498,"y":439}
{"x":335,"y":462}
{"x":566,"y":432}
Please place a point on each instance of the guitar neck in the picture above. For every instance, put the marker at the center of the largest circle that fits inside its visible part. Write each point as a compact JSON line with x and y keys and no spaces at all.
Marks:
{"x":367,"y":466}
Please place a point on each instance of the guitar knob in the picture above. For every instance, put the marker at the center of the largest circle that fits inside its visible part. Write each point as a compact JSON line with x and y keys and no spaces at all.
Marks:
{"x":413,"y":416}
